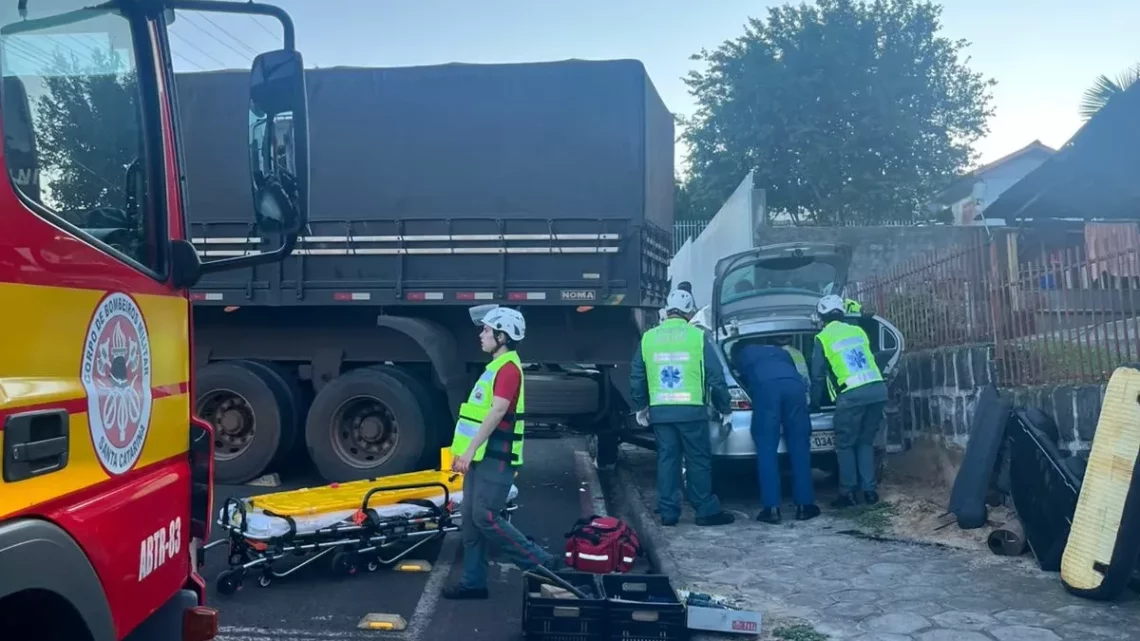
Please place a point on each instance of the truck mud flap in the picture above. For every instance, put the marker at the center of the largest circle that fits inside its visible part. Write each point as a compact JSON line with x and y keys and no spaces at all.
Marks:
{"x":1104,"y":543}
{"x":441,"y":350}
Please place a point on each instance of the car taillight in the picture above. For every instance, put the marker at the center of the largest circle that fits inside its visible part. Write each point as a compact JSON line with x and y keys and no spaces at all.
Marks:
{"x":739,"y":400}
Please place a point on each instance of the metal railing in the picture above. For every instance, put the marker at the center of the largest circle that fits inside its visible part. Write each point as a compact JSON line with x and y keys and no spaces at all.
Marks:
{"x":684,"y":229}
{"x":1071,"y":316}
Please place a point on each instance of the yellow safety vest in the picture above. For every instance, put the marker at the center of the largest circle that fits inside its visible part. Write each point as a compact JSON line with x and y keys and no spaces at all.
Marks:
{"x":478,"y":406}
{"x":848,"y":351}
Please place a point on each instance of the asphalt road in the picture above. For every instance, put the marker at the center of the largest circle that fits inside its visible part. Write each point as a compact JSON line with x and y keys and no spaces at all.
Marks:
{"x":315,"y":605}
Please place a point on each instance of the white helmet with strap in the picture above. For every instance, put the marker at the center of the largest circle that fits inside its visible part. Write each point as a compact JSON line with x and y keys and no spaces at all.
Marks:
{"x":501,"y":319}
{"x":829,"y":305}
{"x":681,"y":301}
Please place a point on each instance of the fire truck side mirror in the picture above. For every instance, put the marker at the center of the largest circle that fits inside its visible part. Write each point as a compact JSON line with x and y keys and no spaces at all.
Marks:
{"x":279,"y":142}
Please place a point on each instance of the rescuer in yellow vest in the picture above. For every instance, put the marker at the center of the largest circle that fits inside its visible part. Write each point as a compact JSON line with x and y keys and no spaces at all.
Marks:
{"x":844,"y":364}
{"x":487,"y":449}
{"x":673,"y":370}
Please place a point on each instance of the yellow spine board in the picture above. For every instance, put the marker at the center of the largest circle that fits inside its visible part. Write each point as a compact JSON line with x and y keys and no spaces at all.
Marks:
{"x":1108,"y":479}
{"x":349,"y":496}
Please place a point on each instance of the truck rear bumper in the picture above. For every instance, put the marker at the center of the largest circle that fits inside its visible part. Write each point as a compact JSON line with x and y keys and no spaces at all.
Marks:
{"x":168,"y":623}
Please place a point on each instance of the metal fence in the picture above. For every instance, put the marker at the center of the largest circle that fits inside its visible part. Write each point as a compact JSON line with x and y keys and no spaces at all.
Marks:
{"x":1070,"y":316}
{"x":684,"y":229}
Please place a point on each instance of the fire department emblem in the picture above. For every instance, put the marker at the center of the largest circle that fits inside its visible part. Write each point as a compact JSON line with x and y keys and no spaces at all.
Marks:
{"x":116,"y":374}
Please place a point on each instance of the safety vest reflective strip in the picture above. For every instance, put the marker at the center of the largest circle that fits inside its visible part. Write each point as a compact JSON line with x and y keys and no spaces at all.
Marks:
{"x":673,"y":353}
{"x":848,"y":351}
{"x":798,"y":360}
{"x":478,"y":406}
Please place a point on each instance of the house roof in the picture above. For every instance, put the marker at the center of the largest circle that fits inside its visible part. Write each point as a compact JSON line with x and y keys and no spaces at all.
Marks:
{"x":1093,"y":175}
{"x":962,"y":187}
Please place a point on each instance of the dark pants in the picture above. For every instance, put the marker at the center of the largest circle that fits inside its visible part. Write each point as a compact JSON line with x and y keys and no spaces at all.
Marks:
{"x":485,"y":489}
{"x":857,"y":421}
{"x":776,"y":402}
{"x":690,"y":438}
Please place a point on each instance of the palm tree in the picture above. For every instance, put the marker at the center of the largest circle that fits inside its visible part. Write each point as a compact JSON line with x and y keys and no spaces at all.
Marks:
{"x":1103,"y":90}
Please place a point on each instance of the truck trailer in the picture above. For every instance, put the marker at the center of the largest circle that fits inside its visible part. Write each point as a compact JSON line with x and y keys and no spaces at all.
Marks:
{"x":543,"y":186}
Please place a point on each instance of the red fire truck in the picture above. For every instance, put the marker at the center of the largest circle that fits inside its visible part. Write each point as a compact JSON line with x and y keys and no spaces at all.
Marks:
{"x":105,"y":477}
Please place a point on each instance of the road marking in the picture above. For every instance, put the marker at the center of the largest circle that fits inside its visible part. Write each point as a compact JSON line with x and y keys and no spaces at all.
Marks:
{"x":429,"y":599}
{"x":420,"y":619}
{"x":245,"y":633}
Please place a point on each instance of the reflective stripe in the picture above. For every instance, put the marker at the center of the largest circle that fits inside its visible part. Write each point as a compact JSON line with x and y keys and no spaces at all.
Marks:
{"x":467,"y":427}
{"x":862,"y":378}
{"x":673,"y":397}
{"x":591,"y":557}
{"x":671,"y":357}
{"x":848,"y":343}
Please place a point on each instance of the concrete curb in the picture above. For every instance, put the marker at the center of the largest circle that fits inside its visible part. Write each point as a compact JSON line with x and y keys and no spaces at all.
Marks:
{"x":591,"y":496}
{"x":628,"y":504}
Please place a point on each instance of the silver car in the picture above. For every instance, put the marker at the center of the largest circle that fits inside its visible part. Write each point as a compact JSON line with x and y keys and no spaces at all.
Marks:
{"x":770,"y":292}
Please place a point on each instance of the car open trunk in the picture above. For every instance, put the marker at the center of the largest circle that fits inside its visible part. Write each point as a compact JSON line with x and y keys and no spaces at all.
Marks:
{"x":772,"y":291}
{"x":886,"y":341}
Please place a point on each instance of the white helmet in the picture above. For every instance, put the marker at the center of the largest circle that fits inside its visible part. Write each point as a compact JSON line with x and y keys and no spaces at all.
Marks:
{"x":680,"y":300}
{"x":829,"y":305}
{"x":501,"y":319}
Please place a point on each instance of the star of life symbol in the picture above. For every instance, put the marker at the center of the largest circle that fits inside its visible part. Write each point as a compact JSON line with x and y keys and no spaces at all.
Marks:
{"x":856,"y":360}
{"x":116,"y":374}
{"x":670,"y":377}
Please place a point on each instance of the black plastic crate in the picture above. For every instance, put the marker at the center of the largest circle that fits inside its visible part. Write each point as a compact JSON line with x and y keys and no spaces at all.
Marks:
{"x":643,"y":607}
{"x":565,"y":619}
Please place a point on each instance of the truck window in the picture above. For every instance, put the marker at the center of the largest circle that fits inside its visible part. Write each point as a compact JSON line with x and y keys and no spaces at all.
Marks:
{"x":73,"y":128}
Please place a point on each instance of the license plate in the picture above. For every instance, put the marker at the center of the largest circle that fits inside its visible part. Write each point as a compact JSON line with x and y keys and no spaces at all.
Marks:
{"x":822,"y":441}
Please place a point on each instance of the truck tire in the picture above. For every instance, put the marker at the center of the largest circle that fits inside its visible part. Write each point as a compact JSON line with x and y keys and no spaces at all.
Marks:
{"x":560,"y":395}
{"x":364,"y":425}
{"x":293,"y":410}
{"x":245,"y":410}
{"x":433,"y":404}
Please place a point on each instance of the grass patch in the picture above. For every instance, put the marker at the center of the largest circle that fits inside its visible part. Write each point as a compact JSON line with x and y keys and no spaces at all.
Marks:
{"x":798,"y":632}
{"x":874,"y":519}
{"x":1057,"y":360}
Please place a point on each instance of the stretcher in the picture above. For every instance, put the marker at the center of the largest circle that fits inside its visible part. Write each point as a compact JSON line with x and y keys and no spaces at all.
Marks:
{"x":1102,"y":549}
{"x":359,"y":525}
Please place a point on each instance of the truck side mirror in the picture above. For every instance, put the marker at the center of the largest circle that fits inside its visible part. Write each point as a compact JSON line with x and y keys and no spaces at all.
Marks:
{"x":279,"y":142}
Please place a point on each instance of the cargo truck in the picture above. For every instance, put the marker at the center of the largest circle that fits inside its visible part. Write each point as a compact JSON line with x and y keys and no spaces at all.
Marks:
{"x":544,"y":186}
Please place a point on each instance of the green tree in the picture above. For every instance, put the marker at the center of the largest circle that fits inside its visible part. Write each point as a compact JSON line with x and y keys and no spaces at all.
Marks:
{"x":86,"y":131}
{"x":850,"y":112}
{"x":1105,"y":89}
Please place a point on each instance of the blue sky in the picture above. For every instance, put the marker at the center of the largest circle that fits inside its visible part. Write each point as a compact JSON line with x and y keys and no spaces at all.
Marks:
{"x":1043,"y":53}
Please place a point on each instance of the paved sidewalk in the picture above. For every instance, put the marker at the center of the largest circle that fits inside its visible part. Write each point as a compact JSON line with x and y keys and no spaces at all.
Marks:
{"x":852,"y":588}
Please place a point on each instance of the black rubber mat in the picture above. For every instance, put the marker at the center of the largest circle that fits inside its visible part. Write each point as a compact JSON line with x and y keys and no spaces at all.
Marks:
{"x":975,"y":476}
{"x":1043,"y":488}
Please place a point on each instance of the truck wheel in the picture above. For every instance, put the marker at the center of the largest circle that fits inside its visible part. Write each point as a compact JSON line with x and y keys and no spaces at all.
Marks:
{"x":432,"y":404}
{"x":363,"y":425}
{"x":560,"y":395}
{"x":291,"y":407}
{"x":245,"y":412}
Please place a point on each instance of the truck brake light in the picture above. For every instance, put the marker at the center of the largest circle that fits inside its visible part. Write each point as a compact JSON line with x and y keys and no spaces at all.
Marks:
{"x":738,"y":399}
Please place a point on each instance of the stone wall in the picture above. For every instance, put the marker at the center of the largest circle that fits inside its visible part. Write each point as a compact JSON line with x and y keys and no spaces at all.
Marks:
{"x":876,"y":249}
{"x":935,"y":393}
